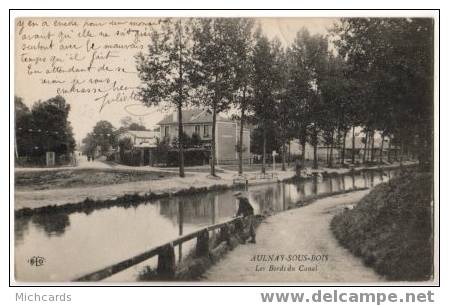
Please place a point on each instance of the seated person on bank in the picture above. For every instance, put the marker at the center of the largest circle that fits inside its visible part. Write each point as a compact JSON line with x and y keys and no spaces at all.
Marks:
{"x":245,"y":209}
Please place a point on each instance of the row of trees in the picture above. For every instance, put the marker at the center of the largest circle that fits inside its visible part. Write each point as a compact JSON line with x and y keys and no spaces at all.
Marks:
{"x":104,"y":136}
{"x":374,"y":73}
{"x":43,"y":128}
{"x":392,"y":63}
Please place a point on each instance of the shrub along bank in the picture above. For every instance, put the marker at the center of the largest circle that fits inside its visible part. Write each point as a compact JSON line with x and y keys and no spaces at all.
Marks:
{"x":391,"y":228}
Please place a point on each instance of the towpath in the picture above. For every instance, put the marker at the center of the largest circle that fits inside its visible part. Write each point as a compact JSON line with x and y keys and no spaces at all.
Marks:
{"x":298,"y":233}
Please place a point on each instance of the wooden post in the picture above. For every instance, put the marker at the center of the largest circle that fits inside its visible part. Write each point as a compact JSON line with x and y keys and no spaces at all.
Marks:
{"x":239,"y":230}
{"x":181,"y":226}
{"x":202,"y":244}
{"x":166,"y":264}
{"x":224,"y":235}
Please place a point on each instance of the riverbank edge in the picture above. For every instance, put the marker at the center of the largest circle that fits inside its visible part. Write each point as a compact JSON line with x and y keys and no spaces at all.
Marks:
{"x":131,"y":199}
{"x":193,"y":267}
{"x":398,"y":250}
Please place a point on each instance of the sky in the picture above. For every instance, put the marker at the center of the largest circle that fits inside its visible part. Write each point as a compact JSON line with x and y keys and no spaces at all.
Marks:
{"x":86,"y":108}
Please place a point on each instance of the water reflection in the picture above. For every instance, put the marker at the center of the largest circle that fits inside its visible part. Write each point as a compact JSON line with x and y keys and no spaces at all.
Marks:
{"x":52,"y":224}
{"x":77,"y":243}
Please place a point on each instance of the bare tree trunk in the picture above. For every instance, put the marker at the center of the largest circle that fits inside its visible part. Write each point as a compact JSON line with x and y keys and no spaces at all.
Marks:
{"x":331,"y":157}
{"x":353,"y":146}
{"x":180,"y":127}
{"x":315,"y":157}
{"x":396,"y":154}
{"x":365,"y":146}
{"x":372,"y":146}
{"x":381,"y":149}
{"x":264,"y":149}
{"x":213,"y":156}
{"x":315,"y":147}
{"x":343,"y":151}
{"x":337,"y":143}
{"x":389,"y":150}
{"x":303,"y":155}
{"x":242,"y":120}
{"x":181,"y":142}
{"x":283,"y":156}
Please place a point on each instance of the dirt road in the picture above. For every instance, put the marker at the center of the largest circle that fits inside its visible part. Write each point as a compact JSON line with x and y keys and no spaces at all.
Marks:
{"x":304,"y":238}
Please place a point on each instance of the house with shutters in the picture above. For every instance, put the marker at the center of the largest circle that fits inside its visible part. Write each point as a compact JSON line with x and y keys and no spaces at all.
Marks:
{"x":199,"y":122}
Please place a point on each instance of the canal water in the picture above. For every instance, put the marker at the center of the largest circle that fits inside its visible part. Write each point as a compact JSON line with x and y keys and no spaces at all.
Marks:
{"x":75,"y":244}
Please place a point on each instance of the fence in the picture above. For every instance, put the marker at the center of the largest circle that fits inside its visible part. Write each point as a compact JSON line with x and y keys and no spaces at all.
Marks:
{"x":247,"y":178}
{"x":166,"y":265}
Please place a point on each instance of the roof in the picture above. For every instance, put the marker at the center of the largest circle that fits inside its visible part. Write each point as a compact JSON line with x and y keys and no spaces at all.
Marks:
{"x":146,"y":145}
{"x":192,"y":116}
{"x":142,"y":134}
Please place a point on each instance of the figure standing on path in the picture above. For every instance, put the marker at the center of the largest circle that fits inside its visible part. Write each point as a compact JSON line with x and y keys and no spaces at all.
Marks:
{"x":246,"y":210}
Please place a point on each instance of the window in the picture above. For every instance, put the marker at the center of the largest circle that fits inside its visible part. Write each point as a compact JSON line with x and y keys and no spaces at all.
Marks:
{"x":166,"y":131}
{"x":206,"y":131}
{"x":197,"y":129}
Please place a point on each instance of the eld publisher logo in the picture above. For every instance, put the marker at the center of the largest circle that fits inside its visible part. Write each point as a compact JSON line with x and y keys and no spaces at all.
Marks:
{"x":36,"y":261}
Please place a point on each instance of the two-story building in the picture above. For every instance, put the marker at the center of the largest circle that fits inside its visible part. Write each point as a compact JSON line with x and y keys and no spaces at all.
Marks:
{"x":197,"y":121}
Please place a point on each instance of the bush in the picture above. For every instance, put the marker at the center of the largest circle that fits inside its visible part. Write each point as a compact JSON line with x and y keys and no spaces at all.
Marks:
{"x":131,"y":158}
{"x":192,"y":157}
{"x":391,"y":228}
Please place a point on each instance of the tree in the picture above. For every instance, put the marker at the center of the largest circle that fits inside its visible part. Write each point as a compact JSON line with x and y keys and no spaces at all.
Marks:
{"x":316,"y":57}
{"x":244,"y":75}
{"x":307,"y":58}
{"x":162,"y":148}
{"x":393,"y":57}
{"x":125,"y":144}
{"x":166,"y":70}
{"x":283,"y":105}
{"x":126,"y":121}
{"x":257,"y":140}
{"x":88,"y":145}
{"x":298,"y":88}
{"x":195,"y":140}
{"x":186,"y":141}
{"x":103,"y":135}
{"x":24,"y":140}
{"x":337,"y":92}
{"x":136,"y":127}
{"x":51,"y":129}
{"x":215,"y":45}
{"x":265,"y":86}
{"x":284,"y":124}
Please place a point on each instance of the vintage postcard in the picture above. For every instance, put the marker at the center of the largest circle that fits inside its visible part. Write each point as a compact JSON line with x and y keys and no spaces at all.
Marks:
{"x":218,"y":150}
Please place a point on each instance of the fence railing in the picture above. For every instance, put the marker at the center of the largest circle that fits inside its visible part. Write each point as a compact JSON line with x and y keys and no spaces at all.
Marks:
{"x":245,"y":179}
{"x":166,"y":265}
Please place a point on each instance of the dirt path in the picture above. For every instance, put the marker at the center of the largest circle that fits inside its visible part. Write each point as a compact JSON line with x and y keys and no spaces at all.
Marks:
{"x":303,"y":231}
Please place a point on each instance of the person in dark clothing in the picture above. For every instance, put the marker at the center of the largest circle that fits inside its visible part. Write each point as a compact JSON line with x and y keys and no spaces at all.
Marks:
{"x":245,"y":209}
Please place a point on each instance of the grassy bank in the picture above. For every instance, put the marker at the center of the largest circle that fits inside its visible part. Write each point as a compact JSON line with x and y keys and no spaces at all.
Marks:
{"x":391,"y":228}
{"x":127,"y":200}
{"x":72,"y":178}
